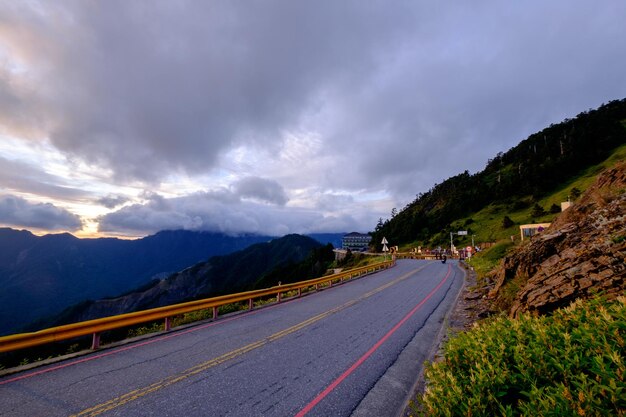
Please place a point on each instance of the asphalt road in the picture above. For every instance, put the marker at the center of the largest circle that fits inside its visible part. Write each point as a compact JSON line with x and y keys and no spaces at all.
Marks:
{"x":326,"y":354}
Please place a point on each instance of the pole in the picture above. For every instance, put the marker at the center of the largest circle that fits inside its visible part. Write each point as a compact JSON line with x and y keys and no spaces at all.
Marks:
{"x":473,"y":242}
{"x":451,"y":244}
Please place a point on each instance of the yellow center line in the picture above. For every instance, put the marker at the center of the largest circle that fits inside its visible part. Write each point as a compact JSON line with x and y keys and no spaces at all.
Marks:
{"x":165,"y":382}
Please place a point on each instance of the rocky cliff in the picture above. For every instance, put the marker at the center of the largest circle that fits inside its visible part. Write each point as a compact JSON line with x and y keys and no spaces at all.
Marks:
{"x":581,"y":254}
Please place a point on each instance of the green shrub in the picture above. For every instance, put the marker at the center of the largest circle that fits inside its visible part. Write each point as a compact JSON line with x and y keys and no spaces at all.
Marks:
{"x":570,"y":363}
{"x":143,"y":330}
{"x":554,"y":209}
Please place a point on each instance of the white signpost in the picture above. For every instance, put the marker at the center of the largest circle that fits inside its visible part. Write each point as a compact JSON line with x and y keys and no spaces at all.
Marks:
{"x":459,"y":233}
{"x":385,"y":248}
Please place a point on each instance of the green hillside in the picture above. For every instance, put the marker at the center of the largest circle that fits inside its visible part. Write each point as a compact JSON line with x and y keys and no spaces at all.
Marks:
{"x":526,"y":184}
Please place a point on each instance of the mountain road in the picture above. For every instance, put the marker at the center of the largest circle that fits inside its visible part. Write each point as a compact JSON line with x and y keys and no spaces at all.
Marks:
{"x":324,"y":354}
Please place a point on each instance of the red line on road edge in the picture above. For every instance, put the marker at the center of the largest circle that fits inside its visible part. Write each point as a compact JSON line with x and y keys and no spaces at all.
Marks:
{"x":369,"y":353}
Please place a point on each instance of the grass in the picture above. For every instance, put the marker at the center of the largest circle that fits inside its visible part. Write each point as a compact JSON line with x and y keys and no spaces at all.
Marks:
{"x":485,"y":261}
{"x":570,"y":363}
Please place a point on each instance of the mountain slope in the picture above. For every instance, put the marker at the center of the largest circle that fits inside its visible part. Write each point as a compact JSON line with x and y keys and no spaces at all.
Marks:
{"x":239,"y":271}
{"x":41,"y":276}
{"x":531,"y":169}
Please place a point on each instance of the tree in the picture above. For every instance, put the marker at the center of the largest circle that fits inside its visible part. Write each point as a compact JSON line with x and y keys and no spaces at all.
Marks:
{"x":507,"y":222}
{"x":555,"y":209}
{"x":575,"y":193}
{"x":537,"y":211}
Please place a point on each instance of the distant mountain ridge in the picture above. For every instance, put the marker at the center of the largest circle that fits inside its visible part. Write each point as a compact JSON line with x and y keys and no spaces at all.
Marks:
{"x":42,"y":275}
{"x":261,"y":264}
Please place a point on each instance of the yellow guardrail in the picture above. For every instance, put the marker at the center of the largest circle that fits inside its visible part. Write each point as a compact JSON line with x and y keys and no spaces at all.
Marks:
{"x":97,"y":326}
{"x":410,"y":255}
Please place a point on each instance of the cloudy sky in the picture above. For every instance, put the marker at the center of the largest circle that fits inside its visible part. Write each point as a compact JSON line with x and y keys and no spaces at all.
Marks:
{"x":127,"y":117}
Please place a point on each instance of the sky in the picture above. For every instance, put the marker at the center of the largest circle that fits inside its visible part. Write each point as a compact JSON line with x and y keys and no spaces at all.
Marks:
{"x":126,"y":117}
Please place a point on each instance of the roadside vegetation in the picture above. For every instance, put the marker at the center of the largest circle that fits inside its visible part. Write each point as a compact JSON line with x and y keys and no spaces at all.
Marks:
{"x":570,"y":363}
{"x":356,"y":260}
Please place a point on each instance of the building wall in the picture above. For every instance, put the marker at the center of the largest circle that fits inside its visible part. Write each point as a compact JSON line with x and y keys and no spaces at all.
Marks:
{"x":356,"y":242}
{"x":529,"y":230}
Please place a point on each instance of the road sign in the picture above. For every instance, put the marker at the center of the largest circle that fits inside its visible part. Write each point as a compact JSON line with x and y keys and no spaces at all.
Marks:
{"x":462,"y":232}
{"x":384,"y":242}
{"x":385,"y":248}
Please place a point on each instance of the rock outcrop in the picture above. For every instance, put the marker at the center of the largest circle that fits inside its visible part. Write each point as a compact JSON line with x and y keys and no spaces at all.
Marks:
{"x":581,"y":254}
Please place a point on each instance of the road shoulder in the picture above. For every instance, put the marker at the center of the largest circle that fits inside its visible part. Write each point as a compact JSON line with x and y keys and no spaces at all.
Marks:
{"x":391,"y":394}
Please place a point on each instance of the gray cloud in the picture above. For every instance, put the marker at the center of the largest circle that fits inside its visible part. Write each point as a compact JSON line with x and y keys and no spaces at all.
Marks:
{"x":16,"y":211}
{"x":24,"y":177}
{"x":400,"y":95}
{"x":212,"y":211}
{"x":111,"y":201}
{"x":153,"y":94}
{"x":261,"y":189}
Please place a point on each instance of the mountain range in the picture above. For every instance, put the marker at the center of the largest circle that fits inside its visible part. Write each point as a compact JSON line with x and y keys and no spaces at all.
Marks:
{"x":40,"y":276}
{"x":286,"y":259}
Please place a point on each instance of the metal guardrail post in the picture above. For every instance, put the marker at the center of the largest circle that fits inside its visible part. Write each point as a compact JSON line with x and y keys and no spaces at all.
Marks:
{"x":167,"y":326}
{"x":215,"y":311}
{"x":250,"y":304}
{"x":95,"y":341}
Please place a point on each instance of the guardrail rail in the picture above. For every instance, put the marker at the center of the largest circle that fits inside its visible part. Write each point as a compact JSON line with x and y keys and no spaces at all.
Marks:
{"x":97,"y":326}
